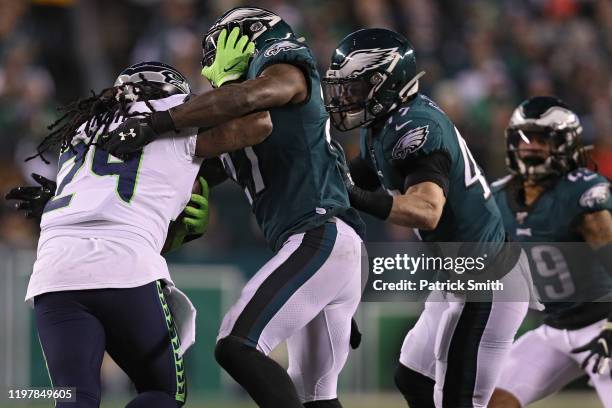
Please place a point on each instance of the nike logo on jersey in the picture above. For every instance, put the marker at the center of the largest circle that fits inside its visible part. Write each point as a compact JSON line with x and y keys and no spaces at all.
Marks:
{"x":398,"y":127}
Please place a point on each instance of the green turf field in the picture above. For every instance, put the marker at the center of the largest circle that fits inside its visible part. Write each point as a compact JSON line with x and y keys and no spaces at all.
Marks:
{"x":563,"y":400}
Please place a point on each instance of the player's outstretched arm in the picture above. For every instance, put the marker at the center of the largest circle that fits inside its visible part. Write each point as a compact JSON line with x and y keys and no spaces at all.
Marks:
{"x":236,"y":134}
{"x":420,"y":207}
{"x":422,"y":204}
{"x":278,"y":85}
{"x":32,"y":200}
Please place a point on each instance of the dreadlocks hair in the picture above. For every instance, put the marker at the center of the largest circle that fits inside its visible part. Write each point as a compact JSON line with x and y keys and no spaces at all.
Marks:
{"x":97,"y":112}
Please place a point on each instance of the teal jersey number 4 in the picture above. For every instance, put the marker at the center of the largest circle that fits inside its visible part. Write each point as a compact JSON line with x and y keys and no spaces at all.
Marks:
{"x":418,"y":128}
{"x":291,"y":179}
{"x":566,"y":275}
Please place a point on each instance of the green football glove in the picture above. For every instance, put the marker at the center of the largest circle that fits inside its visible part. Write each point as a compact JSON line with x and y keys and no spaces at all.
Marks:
{"x":231,"y":58}
{"x":196,"y":213}
{"x":194,"y":221}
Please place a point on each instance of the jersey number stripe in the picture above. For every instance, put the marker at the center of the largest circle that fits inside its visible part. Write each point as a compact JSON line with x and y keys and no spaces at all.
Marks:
{"x":103,"y":164}
{"x":248,"y":176}
{"x":473,"y":173}
{"x":71,"y":156}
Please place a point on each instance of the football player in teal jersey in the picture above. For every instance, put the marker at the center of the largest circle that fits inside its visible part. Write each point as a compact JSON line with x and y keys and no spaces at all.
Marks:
{"x":308,"y":292}
{"x":552,"y":199}
{"x":415,"y":170}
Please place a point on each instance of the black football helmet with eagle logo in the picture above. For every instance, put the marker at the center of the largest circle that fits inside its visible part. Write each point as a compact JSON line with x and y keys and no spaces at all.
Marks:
{"x":371,"y":73}
{"x":551,"y":121}
{"x":260,"y":25}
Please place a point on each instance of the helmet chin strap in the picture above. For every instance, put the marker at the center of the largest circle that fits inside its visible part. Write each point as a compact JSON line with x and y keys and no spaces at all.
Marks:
{"x":411,"y":87}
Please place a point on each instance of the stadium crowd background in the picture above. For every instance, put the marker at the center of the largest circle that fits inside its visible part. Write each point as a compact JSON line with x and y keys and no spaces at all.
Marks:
{"x":482,"y":57}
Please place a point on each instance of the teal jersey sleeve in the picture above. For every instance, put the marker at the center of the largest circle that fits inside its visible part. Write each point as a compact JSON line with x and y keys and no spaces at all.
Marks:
{"x":285,"y":51}
{"x":587,"y":192}
{"x":419,"y":153}
{"x":415,"y":137}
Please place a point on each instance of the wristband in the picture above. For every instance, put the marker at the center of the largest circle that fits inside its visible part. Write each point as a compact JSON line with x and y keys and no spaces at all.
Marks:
{"x":162,"y":122}
{"x":374,"y":203}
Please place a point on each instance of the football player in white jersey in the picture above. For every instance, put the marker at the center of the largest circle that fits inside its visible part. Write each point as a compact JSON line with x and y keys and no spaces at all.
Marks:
{"x":99,"y":281}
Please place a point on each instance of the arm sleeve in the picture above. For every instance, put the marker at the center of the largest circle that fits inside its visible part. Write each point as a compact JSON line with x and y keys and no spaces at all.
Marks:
{"x":363,"y":175}
{"x":595,"y":195}
{"x":433,"y":167}
{"x":419,"y":153}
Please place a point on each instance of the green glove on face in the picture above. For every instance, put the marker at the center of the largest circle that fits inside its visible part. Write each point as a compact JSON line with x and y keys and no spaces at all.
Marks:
{"x":231,"y":58}
{"x":196,"y":213}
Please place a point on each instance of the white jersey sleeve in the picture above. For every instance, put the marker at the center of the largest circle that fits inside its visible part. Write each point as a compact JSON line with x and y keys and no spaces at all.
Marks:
{"x":102,"y":197}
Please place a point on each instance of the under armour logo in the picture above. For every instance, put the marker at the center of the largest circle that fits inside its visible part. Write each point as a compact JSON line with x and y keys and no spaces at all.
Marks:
{"x":130,"y":133}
